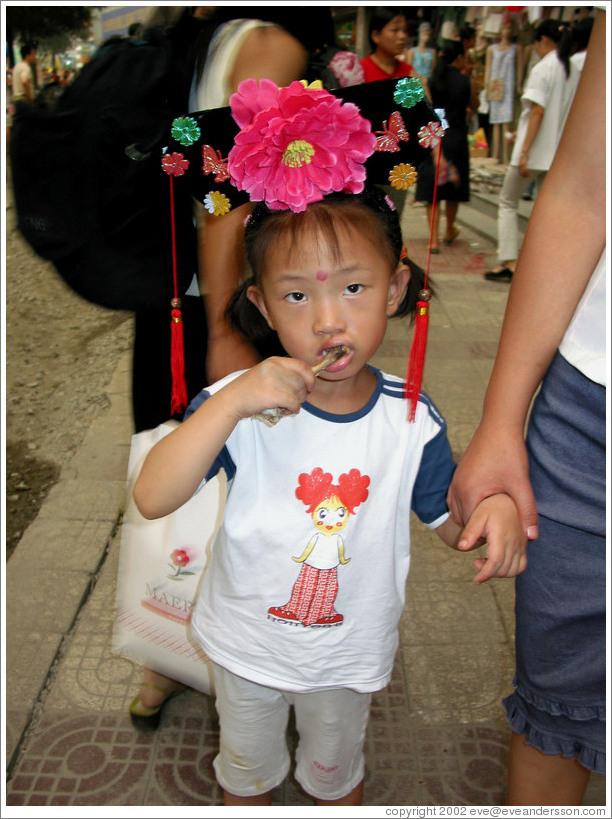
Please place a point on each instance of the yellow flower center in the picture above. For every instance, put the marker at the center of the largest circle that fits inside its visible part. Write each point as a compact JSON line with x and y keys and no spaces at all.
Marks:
{"x":298,"y":153}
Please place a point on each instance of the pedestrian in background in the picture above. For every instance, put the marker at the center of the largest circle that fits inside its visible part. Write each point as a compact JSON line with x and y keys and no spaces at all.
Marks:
{"x":24,"y":81}
{"x":388,"y":33}
{"x":538,"y":133}
{"x":456,"y":93}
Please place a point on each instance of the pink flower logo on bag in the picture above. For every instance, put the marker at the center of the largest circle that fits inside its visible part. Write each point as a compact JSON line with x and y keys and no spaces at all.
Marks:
{"x":297,"y":144}
{"x":180,"y":558}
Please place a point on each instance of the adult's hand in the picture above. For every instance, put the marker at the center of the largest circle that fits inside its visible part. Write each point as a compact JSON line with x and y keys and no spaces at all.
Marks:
{"x":495,"y":462}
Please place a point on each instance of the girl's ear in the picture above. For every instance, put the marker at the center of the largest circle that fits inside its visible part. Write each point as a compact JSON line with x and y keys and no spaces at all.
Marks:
{"x":397,"y":287}
{"x":255,"y":295}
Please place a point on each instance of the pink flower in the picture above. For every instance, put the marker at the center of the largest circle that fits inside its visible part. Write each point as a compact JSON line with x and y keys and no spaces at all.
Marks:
{"x":431,"y":134}
{"x":297,"y":144}
{"x":179,"y":557}
{"x":347,"y":69}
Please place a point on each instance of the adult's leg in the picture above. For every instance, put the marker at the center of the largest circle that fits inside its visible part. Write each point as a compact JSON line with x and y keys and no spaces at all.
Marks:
{"x":436,"y":225}
{"x":535,"y":778}
{"x":451,"y":214}
{"x":507,"y":218}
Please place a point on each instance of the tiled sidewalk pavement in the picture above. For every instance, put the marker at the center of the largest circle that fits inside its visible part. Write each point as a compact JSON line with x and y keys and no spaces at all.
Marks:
{"x":437,"y":735}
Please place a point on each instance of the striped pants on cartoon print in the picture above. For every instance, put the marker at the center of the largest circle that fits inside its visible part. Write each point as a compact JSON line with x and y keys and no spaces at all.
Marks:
{"x":313,"y":596}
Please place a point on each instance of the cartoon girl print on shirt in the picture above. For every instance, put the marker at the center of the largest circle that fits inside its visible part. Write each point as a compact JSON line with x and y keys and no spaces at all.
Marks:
{"x":330,"y":505}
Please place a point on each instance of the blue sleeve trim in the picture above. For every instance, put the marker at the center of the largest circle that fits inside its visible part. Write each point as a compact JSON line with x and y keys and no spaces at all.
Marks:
{"x":223,"y":459}
{"x":434,"y":477}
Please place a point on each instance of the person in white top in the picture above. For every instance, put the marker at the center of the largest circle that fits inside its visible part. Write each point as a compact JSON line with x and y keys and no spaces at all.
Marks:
{"x":581,"y":32}
{"x":289,"y":617}
{"x":554,"y":340}
{"x":23,"y":75}
{"x":537,"y":136}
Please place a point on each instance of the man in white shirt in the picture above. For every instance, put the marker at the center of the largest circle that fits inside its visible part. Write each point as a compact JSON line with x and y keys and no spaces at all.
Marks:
{"x":23,"y":75}
{"x":538,"y":132}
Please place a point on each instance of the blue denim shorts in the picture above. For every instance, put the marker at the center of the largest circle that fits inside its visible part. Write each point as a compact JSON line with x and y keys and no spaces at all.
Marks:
{"x":560,"y":699}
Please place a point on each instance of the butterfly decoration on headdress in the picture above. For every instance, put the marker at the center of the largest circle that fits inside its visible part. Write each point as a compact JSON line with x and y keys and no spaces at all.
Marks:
{"x":391,"y":135}
{"x":212,"y":162}
{"x":290,"y":147}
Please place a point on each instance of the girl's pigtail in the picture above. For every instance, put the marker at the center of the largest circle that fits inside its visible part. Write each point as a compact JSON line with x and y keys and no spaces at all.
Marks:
{"x":408,"y":304}
{"x":245,"y":317}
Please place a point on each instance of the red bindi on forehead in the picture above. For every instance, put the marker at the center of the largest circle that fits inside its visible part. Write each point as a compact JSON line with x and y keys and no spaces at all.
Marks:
{"x":322,"y":275}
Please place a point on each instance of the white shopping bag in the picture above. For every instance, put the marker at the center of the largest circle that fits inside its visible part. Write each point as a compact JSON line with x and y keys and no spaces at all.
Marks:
{"x":161,"y":563}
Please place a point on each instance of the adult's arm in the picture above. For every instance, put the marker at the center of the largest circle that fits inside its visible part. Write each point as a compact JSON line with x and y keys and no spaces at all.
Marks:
{"x":272,"y":53}
{"x":565,"y":238}
{"x":536,"y":115}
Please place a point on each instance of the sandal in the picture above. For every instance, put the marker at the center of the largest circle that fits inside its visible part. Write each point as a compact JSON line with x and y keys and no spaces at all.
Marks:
{"x":146,"y":718}
{"x":453,"y":237}
{"x":503,"y":275}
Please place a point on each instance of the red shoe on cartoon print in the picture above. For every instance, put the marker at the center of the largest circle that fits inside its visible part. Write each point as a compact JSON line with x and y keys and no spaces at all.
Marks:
{"x":332,"y":620}
{"x":281,"y":613}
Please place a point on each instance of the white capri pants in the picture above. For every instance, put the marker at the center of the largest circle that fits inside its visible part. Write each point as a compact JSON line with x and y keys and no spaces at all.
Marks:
{"x":513,"y":187}
{"x":253,"y":756}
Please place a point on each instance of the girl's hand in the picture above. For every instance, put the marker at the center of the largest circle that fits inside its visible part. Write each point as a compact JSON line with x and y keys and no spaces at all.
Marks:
{"x":275,"y":382}
{"x":496,"y":521}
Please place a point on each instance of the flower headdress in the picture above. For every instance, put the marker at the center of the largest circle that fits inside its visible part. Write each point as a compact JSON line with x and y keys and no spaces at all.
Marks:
{"x":290,"y":147}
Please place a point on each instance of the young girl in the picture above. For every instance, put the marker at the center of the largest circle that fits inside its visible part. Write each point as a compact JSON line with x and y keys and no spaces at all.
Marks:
{"x":290,"y":616}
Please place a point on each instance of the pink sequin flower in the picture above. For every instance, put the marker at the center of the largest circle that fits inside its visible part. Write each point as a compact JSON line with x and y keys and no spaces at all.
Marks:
{"x":174,"y":164}
{"x":297,"y":144}
{"x":431,"y":134}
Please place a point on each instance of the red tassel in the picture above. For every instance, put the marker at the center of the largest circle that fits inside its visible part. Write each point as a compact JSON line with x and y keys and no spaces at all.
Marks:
{"x":416,"y":361}
{"x":178,"y":398}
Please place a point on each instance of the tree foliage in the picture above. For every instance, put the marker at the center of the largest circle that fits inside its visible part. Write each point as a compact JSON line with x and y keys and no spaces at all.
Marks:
{"x":43,"y":23}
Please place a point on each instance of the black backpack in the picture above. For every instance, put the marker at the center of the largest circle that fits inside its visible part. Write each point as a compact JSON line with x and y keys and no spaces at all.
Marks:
{"x":90,"y":193}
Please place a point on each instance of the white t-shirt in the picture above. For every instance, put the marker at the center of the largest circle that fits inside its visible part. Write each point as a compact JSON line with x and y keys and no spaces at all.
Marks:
{"x":576,"y":65}
{"x":545,"y":86}
{"x":584,"y":342}
{"x":213,"y":90}
{"x":359,"y":546}
{"x":22,"y":76}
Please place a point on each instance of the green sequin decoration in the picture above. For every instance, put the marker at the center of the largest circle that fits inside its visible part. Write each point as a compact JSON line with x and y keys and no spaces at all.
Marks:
{"x":408,"y":92}
{"x":185,"y":130}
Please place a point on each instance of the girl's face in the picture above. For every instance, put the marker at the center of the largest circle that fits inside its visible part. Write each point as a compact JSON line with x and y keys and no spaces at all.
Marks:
{"x":392,"y":38}
{"x":316,"y":299}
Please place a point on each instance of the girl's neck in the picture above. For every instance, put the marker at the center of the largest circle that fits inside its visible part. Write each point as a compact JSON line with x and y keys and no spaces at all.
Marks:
{"x":343,"y":397}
